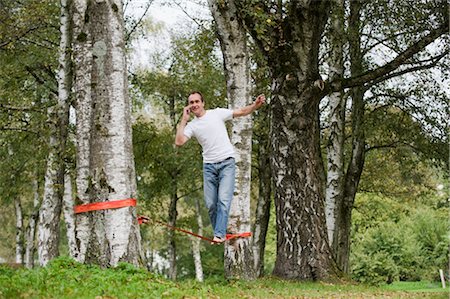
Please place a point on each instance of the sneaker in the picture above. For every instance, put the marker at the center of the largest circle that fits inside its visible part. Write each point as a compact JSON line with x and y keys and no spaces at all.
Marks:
{"x":218,"y":240}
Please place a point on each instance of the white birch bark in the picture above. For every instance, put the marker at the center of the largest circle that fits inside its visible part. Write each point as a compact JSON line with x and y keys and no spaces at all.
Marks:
{"x":19,"y":230}
{"x":105,"y":162}
{"x":357,"y":156}
{"x":31,"y":228}
{"x":49,"y":216}
{"x":69,"y":217}
{"x":196,"y":244}
{"x":83,"y":104}
{"x":335,"y":145}
{"x":50,"y":210}
{"x":233,"y":41}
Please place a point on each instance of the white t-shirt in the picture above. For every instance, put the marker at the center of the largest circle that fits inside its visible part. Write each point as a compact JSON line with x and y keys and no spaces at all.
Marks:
{"x":211,"y":133}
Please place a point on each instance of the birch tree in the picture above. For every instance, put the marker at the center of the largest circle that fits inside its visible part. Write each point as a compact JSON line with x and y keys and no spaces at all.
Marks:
{"x":233,"y":42}
{"x":341,"y":237}
{"x":335,"y":144}
{"x":69,"y":219}
{"x":19,"y":230}
{"x":262,"y":213}
{"x":50,"y":211}
{"x":105,"y":162}
{"x":196,"y":243}
{"x":261,"y":150}
{"x":31,"y":228}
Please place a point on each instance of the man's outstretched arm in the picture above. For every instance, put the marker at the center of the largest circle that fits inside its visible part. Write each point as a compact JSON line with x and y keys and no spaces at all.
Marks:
{"x":260,"y":100}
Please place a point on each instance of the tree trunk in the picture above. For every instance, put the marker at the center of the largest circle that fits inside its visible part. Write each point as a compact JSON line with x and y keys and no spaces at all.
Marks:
{"x":302,"y":248}
{"x":262,"y":214}
{"x":196,"y":244}
{"x":50,"y":210}
{"x":303,"y":251}
{"x":355,"y":167}
{"x":69,"y":216}
{"x":19,"y":230}
{"x":105,"y":162}
{"x":31,"y":229}
{"x":335,"y":146}
{"x":49,"y":216}
{"x":172,"y":245}
{"x":233,"y":42}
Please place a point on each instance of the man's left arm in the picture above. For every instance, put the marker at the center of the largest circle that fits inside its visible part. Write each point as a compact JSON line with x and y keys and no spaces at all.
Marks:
{"x":260,"y":100}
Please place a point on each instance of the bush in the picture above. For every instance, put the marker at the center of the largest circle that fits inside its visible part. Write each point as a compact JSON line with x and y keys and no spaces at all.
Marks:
{"x":431,"y":232}
{"x":410,"y":248}
{"x":386,"y":253}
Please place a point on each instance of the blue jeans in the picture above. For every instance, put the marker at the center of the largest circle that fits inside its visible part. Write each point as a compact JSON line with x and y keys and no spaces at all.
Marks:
{"x":218,"y":187}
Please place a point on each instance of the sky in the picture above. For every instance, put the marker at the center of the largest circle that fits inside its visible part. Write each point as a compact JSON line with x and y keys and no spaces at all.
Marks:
{"x":170,"y":18}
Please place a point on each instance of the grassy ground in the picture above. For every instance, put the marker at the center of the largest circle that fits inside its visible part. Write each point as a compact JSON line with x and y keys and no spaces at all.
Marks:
{"x":67,"y":279}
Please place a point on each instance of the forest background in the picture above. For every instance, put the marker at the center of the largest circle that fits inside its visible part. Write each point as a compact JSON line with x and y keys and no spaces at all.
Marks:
{"x":400,"y":215}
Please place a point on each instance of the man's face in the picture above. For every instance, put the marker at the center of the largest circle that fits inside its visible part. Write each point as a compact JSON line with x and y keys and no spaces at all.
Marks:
{"x":196,"y":104}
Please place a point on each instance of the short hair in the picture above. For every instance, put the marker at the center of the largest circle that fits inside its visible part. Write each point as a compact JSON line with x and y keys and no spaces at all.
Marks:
{"x":195,"y":92}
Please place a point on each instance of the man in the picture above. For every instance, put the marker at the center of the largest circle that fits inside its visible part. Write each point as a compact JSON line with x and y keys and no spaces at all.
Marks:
{"x":208,"y":127}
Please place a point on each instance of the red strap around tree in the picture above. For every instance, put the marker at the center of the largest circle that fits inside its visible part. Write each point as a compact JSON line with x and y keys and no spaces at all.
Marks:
{"x":114,"y":204}
{"x":241,"y":235}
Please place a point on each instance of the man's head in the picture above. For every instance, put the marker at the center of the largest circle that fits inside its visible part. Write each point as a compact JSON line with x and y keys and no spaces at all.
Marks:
{"x":196,"y":103}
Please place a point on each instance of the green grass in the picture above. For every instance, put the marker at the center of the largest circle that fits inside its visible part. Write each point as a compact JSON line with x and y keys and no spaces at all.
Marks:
{"x":417,"y":286}
{"x":64,"y":278}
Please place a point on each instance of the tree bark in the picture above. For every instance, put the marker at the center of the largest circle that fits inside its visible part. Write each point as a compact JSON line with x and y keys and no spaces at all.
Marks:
{"x":355,"y":166}
{"x":196,"y":244}
{"x":303,"y":251}
{"x":262,"y":214}
{"x":69,"y":217}
{"x":302,"y":248}
{"x":49,"y":216}
{"x":19,"y":230}
{"x":172,"y":245}
{"x":105,"y":162}
{"x":31,"y":228}
{"x":233,"y":42}
{"x":335,"y":146}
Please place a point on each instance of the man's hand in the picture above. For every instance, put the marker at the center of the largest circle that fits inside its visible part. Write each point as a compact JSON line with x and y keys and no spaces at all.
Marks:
{"x":260,"y":100}
{"x":180,"y":138}
{"x":186,"y":113}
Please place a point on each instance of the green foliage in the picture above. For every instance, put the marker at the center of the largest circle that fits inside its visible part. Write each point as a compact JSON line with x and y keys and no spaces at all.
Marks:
{"x":398,"y":241}
{"x":431,"y":231}
{"x":385,"y":253}
{"x":401,"y":159}
{"x":29,"y":38}
{"x":399,"y":226}
{"x":65,"y":278}
{"x":192,"y":65}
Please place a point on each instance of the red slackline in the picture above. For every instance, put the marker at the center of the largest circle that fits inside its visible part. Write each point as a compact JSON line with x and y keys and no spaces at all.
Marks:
{"x":131,"y":202}
{"x":142,"y":219}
